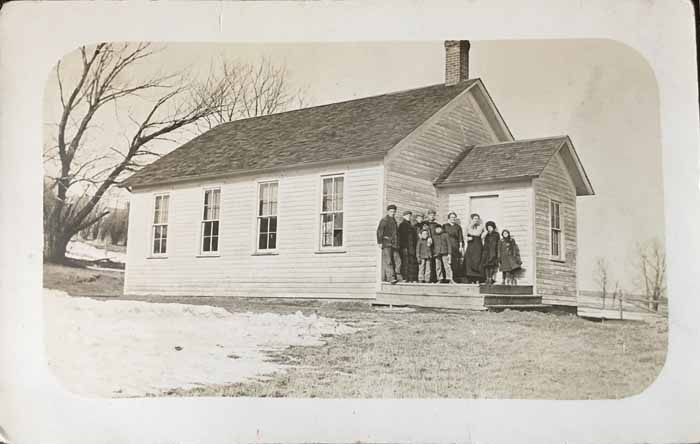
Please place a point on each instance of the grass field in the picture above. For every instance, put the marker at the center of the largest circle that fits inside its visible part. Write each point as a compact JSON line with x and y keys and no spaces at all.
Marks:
{"x":78,"y":281}
{"x":405,"y":353}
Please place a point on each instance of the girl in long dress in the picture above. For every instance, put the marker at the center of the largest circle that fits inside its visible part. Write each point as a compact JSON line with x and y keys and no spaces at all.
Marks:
{"x":455,"y":238}
{"x":489,"y":257}
{"x":472,"y":259}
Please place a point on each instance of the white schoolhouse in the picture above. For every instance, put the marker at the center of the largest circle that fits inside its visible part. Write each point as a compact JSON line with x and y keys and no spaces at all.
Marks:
{"x":287,"y":205}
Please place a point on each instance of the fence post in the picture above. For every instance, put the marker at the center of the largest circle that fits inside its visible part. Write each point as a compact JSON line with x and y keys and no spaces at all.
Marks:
{"x":622,"y":295}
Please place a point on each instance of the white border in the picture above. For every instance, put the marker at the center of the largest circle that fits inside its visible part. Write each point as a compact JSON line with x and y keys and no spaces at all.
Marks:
{"x":32,"y":39}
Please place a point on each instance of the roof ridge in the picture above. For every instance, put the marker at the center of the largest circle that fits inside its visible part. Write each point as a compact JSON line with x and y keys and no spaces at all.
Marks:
{"x":464,"y":84}
{"x":454,"y":164}
{"x":534,"y":139}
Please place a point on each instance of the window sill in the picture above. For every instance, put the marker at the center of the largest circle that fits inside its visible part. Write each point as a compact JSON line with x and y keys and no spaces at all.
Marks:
{"x":557,"y":259}
{"x":265,"y":253}
{"x":208,"y":255}
{"x":156,"y":257}
{"x":331,"y":251}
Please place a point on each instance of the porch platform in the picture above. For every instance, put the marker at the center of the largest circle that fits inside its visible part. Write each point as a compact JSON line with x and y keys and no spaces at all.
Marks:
{"x":460,"y":296}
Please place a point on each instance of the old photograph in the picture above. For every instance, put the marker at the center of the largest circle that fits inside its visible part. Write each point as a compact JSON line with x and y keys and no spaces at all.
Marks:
{"x":438,"y":219}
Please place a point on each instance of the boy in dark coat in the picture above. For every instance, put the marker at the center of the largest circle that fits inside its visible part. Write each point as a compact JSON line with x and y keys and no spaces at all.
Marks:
{"x":408,"y":238}
{"x":441,"y":253}
{"x":388,"y":241}
{"x":423,"y":254}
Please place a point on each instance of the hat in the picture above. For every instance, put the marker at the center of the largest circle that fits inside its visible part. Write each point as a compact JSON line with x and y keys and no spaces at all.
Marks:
{"x":391,"y":207}
{"x":420,"y":215}
{"x":407,"y":213}
{"x":431,"y":211}
{"x":492,"y":224}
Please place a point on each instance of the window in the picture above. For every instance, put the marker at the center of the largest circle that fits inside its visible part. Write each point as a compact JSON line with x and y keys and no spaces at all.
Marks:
{"x":160,"y":224}
{"x":332,"y":212}
{"x":210,"y":221}
{"x":267,"y":216}
{"x":555,"y":229}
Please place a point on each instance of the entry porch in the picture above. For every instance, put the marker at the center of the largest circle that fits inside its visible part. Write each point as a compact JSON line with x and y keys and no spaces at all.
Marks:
{"x":460,"y":296}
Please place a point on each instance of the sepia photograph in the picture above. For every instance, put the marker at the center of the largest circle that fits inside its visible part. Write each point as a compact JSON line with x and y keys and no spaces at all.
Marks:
{"x":438,"y":219}
{"x":343,"y":222}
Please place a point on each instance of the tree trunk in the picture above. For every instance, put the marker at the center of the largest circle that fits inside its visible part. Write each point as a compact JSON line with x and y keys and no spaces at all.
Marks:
{"x":55,"y":247}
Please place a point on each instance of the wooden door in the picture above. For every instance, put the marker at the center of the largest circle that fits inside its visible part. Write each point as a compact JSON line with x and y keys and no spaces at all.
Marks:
{"x":488,"y":207}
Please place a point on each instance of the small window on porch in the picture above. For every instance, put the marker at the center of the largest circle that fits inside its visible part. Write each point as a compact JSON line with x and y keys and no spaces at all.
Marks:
{"x":556,"y":232}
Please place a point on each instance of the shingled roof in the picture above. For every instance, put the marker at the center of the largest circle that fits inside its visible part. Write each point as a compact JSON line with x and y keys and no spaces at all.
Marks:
{"x":520,"y":159}
{"x":355,"y":129}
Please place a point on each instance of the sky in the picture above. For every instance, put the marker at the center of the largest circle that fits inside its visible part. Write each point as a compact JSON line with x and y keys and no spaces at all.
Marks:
{"x":599,"y":92}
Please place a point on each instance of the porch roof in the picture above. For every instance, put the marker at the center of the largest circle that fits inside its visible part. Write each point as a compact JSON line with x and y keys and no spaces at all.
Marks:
{"x":520,"y":159}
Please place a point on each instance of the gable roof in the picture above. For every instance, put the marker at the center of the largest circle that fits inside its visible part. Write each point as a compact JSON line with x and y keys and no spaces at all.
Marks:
{"x":520,"y":159}
{"x":360,"y":128}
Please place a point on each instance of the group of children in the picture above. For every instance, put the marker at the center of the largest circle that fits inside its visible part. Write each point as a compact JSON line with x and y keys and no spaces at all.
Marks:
{"x":429,"y":251}
{"x":498,"y":252}
{"x":433,"y":249}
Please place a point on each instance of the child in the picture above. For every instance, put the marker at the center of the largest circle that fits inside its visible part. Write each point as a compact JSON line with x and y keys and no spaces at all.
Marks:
{"x":419,"y":224}
{"x":423,"y":255}
{"x":489,"y":257}
{"x":509,"y":255}
{"x":441,"y":250}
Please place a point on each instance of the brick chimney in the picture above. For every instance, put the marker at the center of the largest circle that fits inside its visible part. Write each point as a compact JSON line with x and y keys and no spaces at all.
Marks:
{"x":456,"y":61}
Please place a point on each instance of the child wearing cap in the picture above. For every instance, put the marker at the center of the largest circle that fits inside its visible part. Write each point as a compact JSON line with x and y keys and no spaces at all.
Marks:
{"x":423,"y":254}
{"x":441,"y":252}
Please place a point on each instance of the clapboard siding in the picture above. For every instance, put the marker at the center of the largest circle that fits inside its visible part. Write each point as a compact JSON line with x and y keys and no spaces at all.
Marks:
{"x":556,"y":280}
{"x":516,"y":214}
{"x":297,"y":270}
{"x":414,"y":165}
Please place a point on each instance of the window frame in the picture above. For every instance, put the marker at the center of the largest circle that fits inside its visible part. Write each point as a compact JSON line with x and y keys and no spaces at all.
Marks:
{"x":257,"y":217}
{"x":319,"y":215}
{"x":153,"y":226}
{"x":203,"y":221}
{"x":561,"y":257}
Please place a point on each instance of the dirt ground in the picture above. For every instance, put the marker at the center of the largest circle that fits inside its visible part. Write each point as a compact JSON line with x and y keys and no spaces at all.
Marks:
{"x":407,"y":353}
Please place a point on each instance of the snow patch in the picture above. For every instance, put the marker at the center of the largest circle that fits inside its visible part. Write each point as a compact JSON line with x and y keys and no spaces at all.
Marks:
{"x":131,"y":348}
{"x":78,"y":249}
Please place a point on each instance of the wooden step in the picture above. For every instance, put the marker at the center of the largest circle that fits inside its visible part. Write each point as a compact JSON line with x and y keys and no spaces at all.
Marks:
{"x":517,"y":299}
{"x":506,"y":289}
{"x":416,"y":289}
{"x":472,"y":302}
{"x":519,"y":307}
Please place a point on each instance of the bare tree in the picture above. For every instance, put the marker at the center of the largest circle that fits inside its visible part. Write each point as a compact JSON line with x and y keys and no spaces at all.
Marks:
{"x":602,"y":276}
{"x":252,"y":90}
{"x":106,"y":77}
{"x":651,"y":271}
